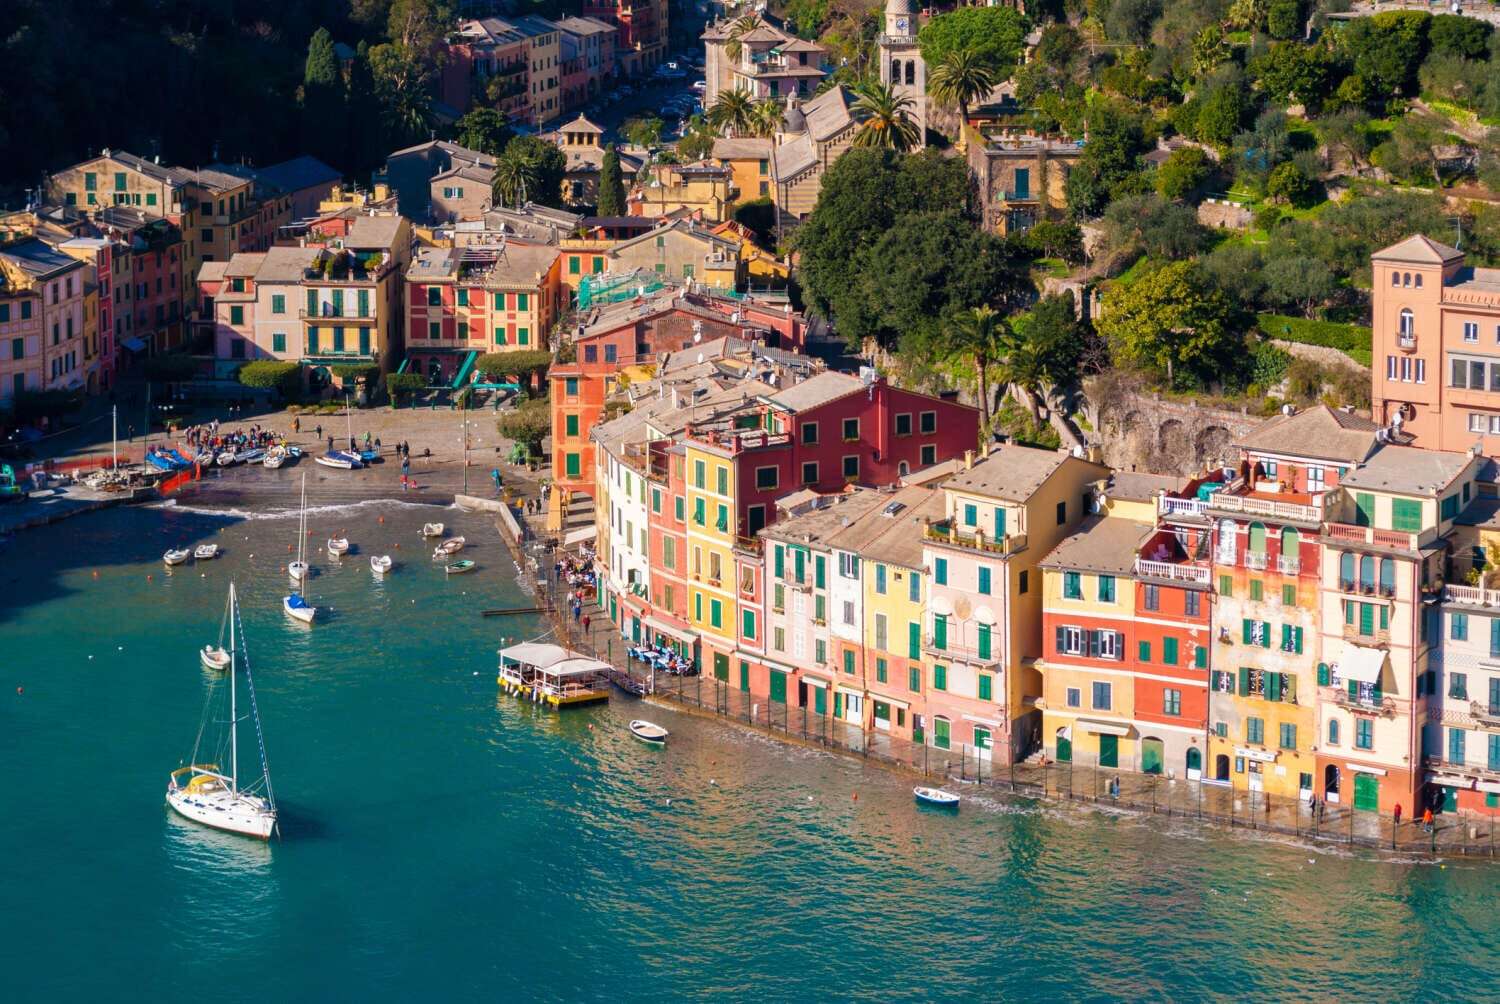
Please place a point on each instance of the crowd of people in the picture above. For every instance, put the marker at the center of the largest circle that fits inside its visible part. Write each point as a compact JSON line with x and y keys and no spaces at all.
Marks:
{"x":208,"y":437}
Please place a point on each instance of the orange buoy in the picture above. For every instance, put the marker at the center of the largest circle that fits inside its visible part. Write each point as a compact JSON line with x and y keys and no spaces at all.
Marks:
{"x":148,"y":578}
{"x":20,"y":690}
{"x":856,"y":796}
{"x":96,"y":573}
{"x":381,"y":520}
{"x":398,"y":547}
{"x":289,"y":549}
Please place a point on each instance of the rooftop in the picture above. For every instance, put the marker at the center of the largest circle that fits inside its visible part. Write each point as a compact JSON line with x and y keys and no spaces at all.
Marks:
{"x":893,"y":532}
{"x":818,"y":526}
{"x":1012,"y":473}
{"x":1318,"y":433}
{"x":286,"y":264}
{"x":1419,"y":250}
{"x":374,"y":233}
{"x":39,"y":259}
{"x":818,"y":390}
{"x":1102,"y":544}
{"x":1130,"y":486}
{"x":1408,"y":470}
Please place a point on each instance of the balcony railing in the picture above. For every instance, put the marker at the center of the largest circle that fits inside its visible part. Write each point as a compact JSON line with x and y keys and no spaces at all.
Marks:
{"x":1380,"y":636}
{"x":1347,"y":532}
{"x":1479,"y":771}
{"x":1255,"y":559}
{"x":1224,"y":502}
{"x":1169,"y":570}
{"x":1168,"y":506}
{"x":1471,"y":595}
{"x":1406,"y":341}
{"x":1383,"y":706}
{"x":1288,"y":564}
{"x":946,"y":531}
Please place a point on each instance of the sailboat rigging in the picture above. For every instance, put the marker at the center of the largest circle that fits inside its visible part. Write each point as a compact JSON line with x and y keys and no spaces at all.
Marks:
{"x":295,"y":603}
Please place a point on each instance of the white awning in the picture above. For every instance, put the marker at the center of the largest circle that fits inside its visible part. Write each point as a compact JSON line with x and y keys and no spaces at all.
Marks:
{"x":1066,"y":732}
{"x":982,"y":721}
{"x":683,"y":634}
{"x":813,"y":681}
{"x":849,"y":691}
{"x":577,"y":667}
{"x":1360,"y":663}
{"x":1489,"y":787}
{"x":1360,"y":768}
{"x":882,"y":699}
{"x":580,"y":535}
{"x":1260,"y":756}
{"x":1449,"y":781}
{"x":1103,"y":728}
{"x":534,"y":653}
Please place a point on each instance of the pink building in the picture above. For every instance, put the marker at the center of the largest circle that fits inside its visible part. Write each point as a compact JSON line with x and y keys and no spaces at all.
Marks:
{"x":587,"y":52}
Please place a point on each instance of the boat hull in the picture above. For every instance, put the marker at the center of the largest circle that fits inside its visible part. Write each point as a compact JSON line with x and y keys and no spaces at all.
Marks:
{"x":297,"y":571}
{"x":223,"y":810}
{"x":177,"y":557}
{"x":216,"y":659}
{"x":301,"y":613}
{"x":936,"y":798}
{"x":380,"y":564}
{"x":207,"y":552}
{"x":648,"y":733}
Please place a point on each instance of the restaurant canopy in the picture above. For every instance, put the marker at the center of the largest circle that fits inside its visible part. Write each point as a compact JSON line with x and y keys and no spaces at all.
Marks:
{"x":532,"y":653}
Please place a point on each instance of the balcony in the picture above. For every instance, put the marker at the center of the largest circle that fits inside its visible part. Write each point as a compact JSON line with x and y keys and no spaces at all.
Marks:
{"x":1353,"y":635}
{"x":749,"y":545}
{"x":1172,"y":571}
{"x":1465,"y":770}
{"x":328,"y":315}
{"x":1288,"y":564}
{"x":1253,"y":506}
{"x":945,"y":531}
{"x":1256,"y":560}
{"x":1168,"y":506}
{"x":1347,"y":533}
{"x":1019,"y":195}
{"x":1487,"y":715}
{"x":1384,"y":707}
{"x":1475,"y":596}
{"x":1406,"y":343}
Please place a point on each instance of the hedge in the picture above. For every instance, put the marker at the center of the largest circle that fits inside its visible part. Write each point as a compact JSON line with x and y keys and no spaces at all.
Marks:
{"x":398,"y":384}
{"x":349,"y":372}
{"x":497,"y":366}
{"x":267,"y":374}
{"x":1351,"y":339}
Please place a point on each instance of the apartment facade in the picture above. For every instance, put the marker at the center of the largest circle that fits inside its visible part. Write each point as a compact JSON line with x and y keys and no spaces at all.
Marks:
{"x":58,"y":279}
{"x":642,"y":31}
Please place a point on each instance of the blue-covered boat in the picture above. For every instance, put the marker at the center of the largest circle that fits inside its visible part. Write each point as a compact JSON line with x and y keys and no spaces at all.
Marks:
{"x":160,"y":462}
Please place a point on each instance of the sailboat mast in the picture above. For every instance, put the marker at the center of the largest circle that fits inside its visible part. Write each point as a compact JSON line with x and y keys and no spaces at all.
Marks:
{"x":234,"y":724}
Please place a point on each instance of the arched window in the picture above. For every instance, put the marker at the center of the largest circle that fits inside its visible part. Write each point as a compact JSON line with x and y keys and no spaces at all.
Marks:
{"x":1227,"y":531}
{"x":1366,"y":573}
{"x":1333,"y":731}
{"x":1395,"y":278}
{"x":1418,"y":281}
{"x":1387,"y":577}
{"x":1406,"y":278}
{"x":1346,"y":570}
{"x":1291,"y":546}
{"x":911,"y":71}
{"x":1408,"y":323}
{"x":895,"y":71}
{"x":1257,"y":539}
{"x":902,"y":469}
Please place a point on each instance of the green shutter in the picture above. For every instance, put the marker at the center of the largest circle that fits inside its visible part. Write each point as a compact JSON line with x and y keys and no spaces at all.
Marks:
{"x":939,"y":632}
{"x":1364,"y":509}
{"x":1273,"y":686}
{"x":914,"y":641}
{"x":1244,"y":681}
{"x":1169,"y":651}
{"x":820,"y":571}
{"x":1245,"y":624}
{"x":984,"y":641}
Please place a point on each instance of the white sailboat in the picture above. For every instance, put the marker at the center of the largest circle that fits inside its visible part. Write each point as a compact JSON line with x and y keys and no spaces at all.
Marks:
{"x":294,"y":603}
{"x":202,"y":791}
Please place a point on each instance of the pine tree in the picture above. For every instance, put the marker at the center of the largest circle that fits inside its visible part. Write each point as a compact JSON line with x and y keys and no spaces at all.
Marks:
{"x":322,"y":99}
{"x":611,"y":186}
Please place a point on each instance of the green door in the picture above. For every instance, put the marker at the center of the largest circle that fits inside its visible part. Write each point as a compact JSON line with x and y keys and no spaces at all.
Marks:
{"x":1450,"y":799}
{"x":838,"y":705}
{"x":1109,"y":751}
{"x":981,"y":739}
{"x":745,"y":679}
{"x":940,"y":733}
{"x":778,"y":686}
{"x":1366,"y":792}
{"x":721,"y":667}
{"x":1064,"y":749}
{"x":635,"y":630}
{"x":1152,"y":756}
{"x":820,"y":701}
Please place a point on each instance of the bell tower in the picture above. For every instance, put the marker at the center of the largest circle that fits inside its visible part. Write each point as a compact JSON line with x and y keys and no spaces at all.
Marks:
{"x":901,"y":64}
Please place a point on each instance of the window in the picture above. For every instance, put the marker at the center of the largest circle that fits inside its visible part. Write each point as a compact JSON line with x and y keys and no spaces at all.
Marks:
{"x":748,"y":628}
{"x":810,"y":472}
{"x":929,"y":456}
{"x":1106,"y":588}
{"x":1070,"y":640}
{"x":1143,"y":651}
{"x":1255,"y":730}
{"x":1333,"y":732}
{"x":984,"y":580}
{"x":1151,"y":597}
{"x":1471,"y":329}
{"x":611,"y":353}
{"x":1169,"y":651}
{"x":1191,"y":603}
{"x":927,"y":422}
{"x":971,"y":515}
{"x":1226,"y":585}
{"x":236,"y":315}
{"x":1458,"y":627}
{"x":1072,"y":586}
{"x":809,"y":433}
{"x":851,"y":430}
{"x":278,"y":342}
{"x":1288,"y":737}
{"x":940,"y":571}
{"x":1257,"y":590}
{"x":851,"y":466}
{"x":880,"y":669}
{"x":939,"y":677}
{"x":1102,"y":697}
{"x":1074,"y":697}
{"x":914,"y":679}
{"x":903,"y":424}
{"x":766,"y":478}
{"x":1171,"y":701}
{"x":1062,"y":512}
{"x":1364,"y":734}
{"x":880,"y":583}
{"x":1458,"y":686}
{"x":1456,"y":745}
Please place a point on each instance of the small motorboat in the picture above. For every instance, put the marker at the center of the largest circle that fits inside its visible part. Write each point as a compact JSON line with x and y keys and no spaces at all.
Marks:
{"x":178,"y":458}
{"x":298,"y":608}
{"x":432,"y":529}
{"x":206,"y":552}
{"x":250,"y":454}
{"x":205,"y":458}
{"x":648,"y":732}
{"x":936,"y":796}
{"x":177,"y":556}
{"x":214,"y":657}
{"x":338,"y":546}
{"x":297,"y":570}
{"x":160,"y":462}
{"x":274,"y":458}
{"x":381,"y":563}
{"x":450,"y":546}
{"x":294,"y":452}
{"x":461,"y":566}
{"x":340,"y":459}
{"x":369,"y":456}
{"x":226,"y":458}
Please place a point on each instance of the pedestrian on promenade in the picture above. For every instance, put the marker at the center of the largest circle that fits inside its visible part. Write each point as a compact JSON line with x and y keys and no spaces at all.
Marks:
{"x":1398,"y":814}
{"x":403,"y":482}
{"x":296,"y":424}
{"x":585,"y":624}
{"x":317,"y":431}
{"x":1427,"y":819}
{"x":330,"y":444}
{"x":495,"y":476}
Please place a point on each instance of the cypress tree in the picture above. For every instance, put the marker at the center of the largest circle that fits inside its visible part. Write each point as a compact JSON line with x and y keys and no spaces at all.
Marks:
{"x":322,"y":99}
{"x":611,"y":187}
{"x":366,"y":129}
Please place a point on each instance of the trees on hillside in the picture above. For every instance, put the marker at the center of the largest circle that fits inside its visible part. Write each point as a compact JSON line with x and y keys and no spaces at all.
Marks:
{"x":611,"y":185}
{"x":732,"y":112}
{"x":322,"y":96}
{"x":884,"y":118}
{"x":530,"y":170}
{"x":483,"y":129}
{"x":1173,"y":323}
{"x":962,"y":78}
{"x":994,"y":35}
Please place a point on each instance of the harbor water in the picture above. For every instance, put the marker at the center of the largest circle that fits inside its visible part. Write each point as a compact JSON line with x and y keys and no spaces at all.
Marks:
{"x":443,"y":842}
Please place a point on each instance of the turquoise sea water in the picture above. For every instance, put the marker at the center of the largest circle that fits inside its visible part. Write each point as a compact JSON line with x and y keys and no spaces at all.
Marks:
{"x":443,"y":842}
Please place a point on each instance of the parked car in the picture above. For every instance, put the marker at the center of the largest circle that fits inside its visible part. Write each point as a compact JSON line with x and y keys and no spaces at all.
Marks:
{"x":699,"y":86}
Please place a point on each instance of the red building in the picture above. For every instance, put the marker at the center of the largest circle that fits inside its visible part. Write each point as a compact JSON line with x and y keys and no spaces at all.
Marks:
{"x":641,"y":43}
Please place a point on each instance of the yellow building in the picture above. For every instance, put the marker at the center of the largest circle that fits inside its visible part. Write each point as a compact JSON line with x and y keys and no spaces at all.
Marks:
{"x":711,"y":535}
{"x":701,"y":189}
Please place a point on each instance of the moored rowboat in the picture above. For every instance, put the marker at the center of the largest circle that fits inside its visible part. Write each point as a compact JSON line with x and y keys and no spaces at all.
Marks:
{"x":459,"y":567}
{"x":432,"y":529}
{"x":214,"y":657}
{"x":206,"y":552}
{"x":177,"y":556}
{"x":936,"y":796}
{"x":648,"y":732}
{"x":338,"y":546}
{"x":381,"y":563}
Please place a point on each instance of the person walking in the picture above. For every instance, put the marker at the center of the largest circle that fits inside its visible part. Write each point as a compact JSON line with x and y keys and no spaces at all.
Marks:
{"x":1427,"y":819}
{"x":585,"y":624}
{"x":317,"y":431}
{"x":296,"y":424}
{"x":330,"y":444}
{"x":1398,"y":815}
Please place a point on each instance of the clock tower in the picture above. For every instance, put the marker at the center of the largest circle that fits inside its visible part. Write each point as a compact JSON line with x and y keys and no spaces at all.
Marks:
{"x":901,"y":63}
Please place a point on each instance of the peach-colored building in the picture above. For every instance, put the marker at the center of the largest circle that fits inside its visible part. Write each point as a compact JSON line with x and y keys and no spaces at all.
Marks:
{"x":1436,"y":344}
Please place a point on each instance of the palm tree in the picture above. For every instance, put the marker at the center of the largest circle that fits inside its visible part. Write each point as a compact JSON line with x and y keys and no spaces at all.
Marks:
{"x":515,"y":176}
{"x":732,"y":112}
{"x":765,"y":118}
{"x":741,"y":27}
{"x":961,"y":78}
{"x":884,"y":119}
{"x":982,"y":335}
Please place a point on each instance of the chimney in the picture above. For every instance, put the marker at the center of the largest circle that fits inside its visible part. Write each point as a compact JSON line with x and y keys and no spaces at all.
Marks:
{"x":968,"y":460}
